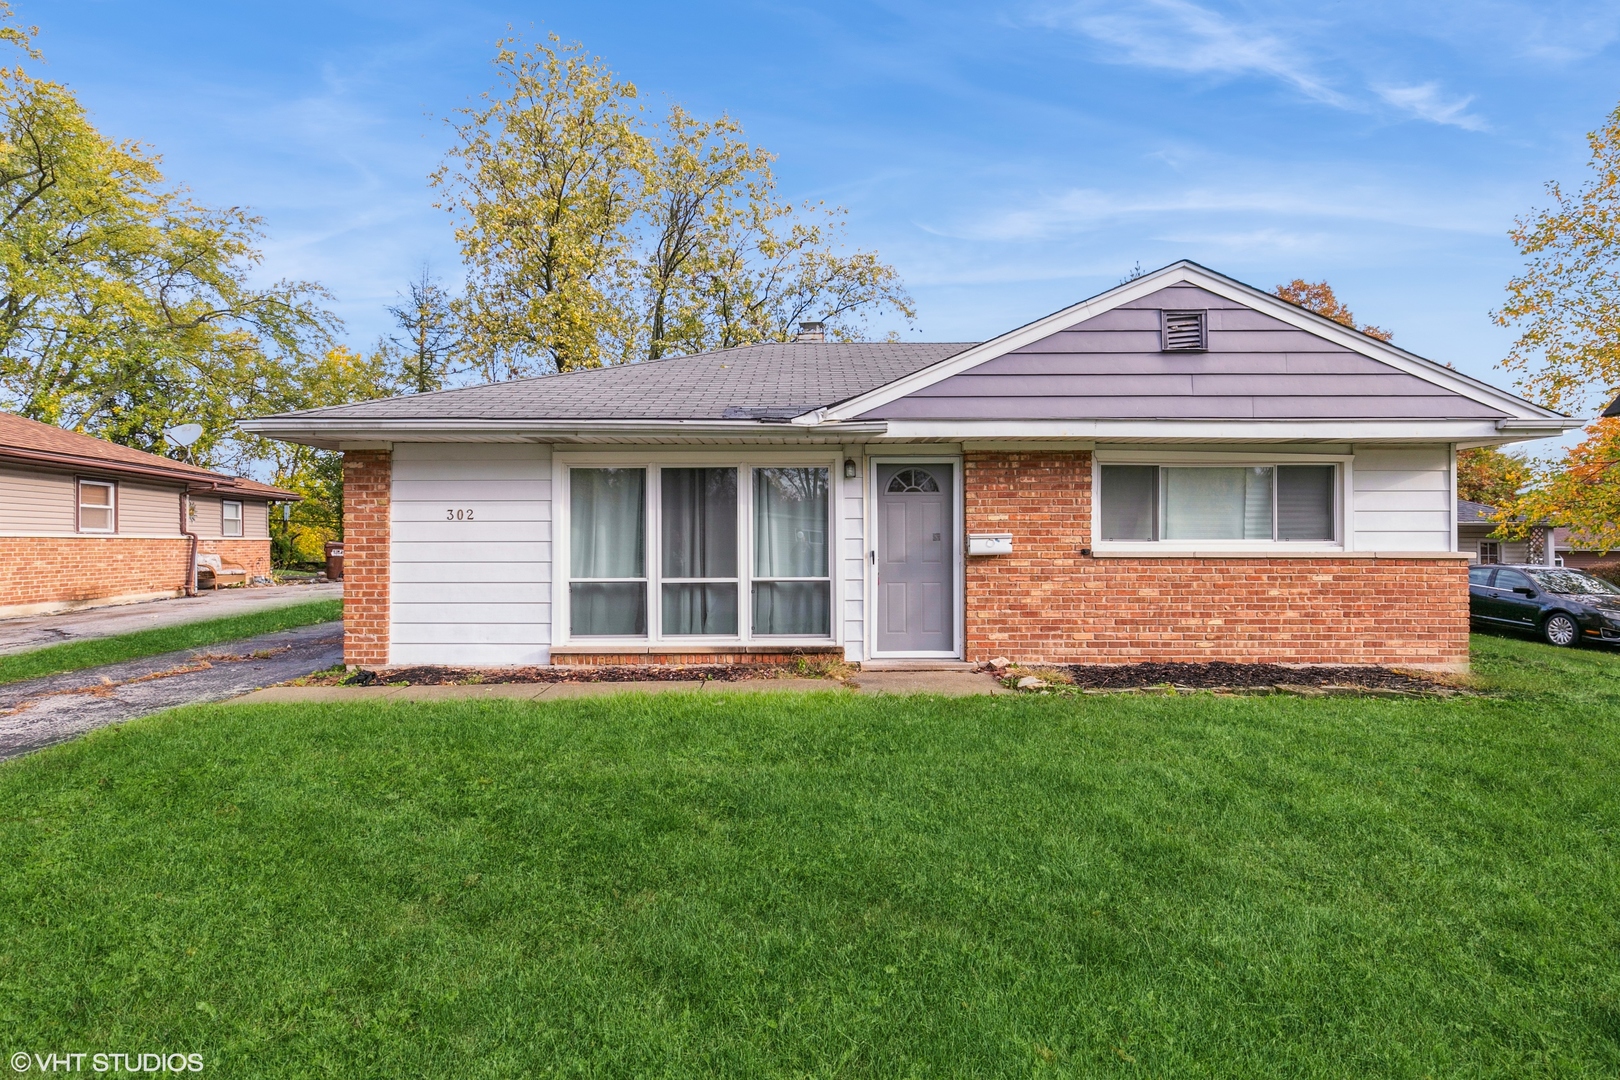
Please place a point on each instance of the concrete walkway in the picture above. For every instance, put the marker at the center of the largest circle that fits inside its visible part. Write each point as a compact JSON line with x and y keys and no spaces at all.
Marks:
{"x":38,"y":712}
{"x":949,"y":683}
{"x":38,"y":631}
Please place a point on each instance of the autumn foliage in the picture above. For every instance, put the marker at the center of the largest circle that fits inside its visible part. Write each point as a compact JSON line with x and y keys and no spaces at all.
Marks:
{"x":1318,"y":296}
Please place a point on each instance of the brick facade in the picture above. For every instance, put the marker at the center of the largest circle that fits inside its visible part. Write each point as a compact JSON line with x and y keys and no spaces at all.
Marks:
{"x":46,"y":572}
{"x":251,"y":555}
{"x":1048,"y":602}
{"x":367,"y":483}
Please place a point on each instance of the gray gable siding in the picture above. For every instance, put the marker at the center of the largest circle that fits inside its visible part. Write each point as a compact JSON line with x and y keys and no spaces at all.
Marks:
{"x":1111,"y":367}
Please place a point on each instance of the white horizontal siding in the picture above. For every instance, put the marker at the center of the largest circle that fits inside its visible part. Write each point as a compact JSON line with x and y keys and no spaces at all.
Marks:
{"x":474,"y":592}
{"x":851,"y":510}
{"x":1403,"y":499}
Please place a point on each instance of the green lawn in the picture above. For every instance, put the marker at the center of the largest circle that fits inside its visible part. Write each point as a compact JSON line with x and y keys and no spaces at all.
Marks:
{"x":835,"y":886}
{"x":77,"y":655}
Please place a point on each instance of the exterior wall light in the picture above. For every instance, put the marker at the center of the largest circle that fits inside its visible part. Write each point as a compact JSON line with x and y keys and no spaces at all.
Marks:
{"x":849,"y":468}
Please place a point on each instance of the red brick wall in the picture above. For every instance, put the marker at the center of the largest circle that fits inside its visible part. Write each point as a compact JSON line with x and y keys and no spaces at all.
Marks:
{"x":1048,"y":602}
{"x":251,"y":555}
{"x":367,"y":479}
{"x":72,"y":569}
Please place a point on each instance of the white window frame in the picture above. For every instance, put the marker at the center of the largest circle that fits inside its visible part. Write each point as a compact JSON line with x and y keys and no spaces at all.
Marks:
{"x":957,"y":545}
{"x":653,"y":461}
{"x":1342,"y":501}
{"x":79,"y":505}
{"x":1495,"y":545}
{"x":225,"y":520}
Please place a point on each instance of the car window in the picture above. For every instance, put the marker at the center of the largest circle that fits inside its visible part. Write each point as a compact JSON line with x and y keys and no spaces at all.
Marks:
{"x":1573,"y":583}
{"x":1480,"y":575}
{"x":1512,"y":579}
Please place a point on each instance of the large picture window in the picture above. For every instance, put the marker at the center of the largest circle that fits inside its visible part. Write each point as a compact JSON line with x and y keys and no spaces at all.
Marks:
{"x":676,"y":551}
{"x":1217,"y":502}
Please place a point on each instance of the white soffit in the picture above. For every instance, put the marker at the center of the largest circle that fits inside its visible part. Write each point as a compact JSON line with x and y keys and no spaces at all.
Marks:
{"x":1190,"y":273}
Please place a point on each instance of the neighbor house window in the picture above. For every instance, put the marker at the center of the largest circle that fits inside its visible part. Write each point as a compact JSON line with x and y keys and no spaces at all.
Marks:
{"x":1490,"y":552}
{"x":1217,"y":502}
{"x":678,"y":552}
{"x":230,"y":518}
{"x":97,"y":506}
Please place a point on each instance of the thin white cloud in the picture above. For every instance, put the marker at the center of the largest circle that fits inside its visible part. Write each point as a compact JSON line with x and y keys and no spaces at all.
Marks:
{"x":1177,"y":35}
{"x":1427,"y":103}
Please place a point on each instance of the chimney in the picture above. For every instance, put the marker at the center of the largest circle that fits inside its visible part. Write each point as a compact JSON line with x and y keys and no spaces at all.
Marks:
{"x":811,"y":331}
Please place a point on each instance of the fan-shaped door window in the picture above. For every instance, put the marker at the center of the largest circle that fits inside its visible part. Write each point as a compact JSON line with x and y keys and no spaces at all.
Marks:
{"x":908,"y":481}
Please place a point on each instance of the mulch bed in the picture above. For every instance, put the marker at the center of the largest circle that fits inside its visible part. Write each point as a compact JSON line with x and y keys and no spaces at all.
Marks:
{"x":440,"y":676}
{"x":1222,"y":675}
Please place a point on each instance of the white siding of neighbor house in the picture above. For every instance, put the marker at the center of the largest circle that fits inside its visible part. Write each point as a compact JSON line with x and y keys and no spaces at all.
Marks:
{"x":477,"y":592}
{"x":1403,"y":499}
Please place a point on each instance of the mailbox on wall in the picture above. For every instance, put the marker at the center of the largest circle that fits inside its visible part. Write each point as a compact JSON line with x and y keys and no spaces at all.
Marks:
{"x":990,"y":544}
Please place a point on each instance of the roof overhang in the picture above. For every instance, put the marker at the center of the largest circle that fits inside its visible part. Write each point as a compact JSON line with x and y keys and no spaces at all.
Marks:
{"x":335,"y":434}
{"x":1190,"y":273}
{"x":200,"y":481}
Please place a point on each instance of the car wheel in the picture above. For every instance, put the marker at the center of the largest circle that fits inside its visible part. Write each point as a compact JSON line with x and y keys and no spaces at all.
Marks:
{"x":1560,"y":630}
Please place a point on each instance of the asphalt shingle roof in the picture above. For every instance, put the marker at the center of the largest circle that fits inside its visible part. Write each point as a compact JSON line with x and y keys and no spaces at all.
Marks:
{"x":778,"y":379}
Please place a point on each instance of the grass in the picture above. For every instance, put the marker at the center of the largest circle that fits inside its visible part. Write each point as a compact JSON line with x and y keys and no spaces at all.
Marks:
{"x":827,"y":885}
{"x":77,"y":655}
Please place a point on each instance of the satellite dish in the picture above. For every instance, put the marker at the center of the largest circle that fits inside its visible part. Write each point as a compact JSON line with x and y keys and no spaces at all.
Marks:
{"x":184,"y":435}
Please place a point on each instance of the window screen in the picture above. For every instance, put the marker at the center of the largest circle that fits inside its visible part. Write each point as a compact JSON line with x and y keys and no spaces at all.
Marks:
{"x":1130,"y":499}
{"x":231,"y":518}
{"x":95,"y":506}
{"x":1305,"y":502}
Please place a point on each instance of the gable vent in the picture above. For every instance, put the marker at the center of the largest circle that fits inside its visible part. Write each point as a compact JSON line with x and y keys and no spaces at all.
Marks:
{"x":1184,"y":331}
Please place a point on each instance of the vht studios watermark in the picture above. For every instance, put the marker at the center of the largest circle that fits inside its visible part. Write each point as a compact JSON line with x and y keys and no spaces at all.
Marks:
{"x":22,"y":1062}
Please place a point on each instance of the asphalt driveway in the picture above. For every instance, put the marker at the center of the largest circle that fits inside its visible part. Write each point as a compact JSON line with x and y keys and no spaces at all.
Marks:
{"x":36,"y":713}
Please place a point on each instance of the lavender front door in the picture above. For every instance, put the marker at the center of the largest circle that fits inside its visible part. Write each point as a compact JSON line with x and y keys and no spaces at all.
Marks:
{"x":915,"y":568}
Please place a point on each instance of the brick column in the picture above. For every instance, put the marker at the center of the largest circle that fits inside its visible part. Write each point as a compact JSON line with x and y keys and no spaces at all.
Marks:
{"x":367,"y":480}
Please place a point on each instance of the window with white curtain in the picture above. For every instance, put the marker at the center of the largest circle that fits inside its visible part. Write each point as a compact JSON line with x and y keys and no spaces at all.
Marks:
{"x":607,"y":553}
{"x":792,"y":584}
{"x":1217,"y":502}
{"x":230,"y":517}
{"x":677,"y":551}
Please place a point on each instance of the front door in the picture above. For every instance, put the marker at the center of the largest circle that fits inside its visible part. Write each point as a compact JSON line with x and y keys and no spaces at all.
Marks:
{"x":916,"y":601}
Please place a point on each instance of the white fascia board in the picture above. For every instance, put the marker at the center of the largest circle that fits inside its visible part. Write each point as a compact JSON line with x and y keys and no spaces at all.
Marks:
{"x":1344,"y":431}
{"x":1188,"y":273}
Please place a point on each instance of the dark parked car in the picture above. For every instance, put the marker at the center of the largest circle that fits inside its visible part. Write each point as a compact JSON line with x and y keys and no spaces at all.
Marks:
{"x":1564,"y":606}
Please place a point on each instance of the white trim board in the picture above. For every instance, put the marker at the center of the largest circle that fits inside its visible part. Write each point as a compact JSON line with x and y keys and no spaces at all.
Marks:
{"x":1186,"y":273}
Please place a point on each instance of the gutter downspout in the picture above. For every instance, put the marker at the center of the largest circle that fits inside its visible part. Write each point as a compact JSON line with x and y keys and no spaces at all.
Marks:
{"x":191,"y":558}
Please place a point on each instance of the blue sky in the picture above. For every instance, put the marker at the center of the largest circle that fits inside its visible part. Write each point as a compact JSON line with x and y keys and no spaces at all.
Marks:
{"x":1008,"y":159}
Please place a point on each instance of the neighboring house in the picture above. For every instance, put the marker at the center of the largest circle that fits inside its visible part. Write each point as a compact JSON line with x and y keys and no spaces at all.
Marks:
{"x":84,"y":521}
{"x":1182,"y":468}
{"x":1477,"y":536}
{"x":1572,"y":552}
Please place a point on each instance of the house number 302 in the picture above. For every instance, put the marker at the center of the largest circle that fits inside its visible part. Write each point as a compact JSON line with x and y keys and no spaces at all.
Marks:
{"x":458,"y":515}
